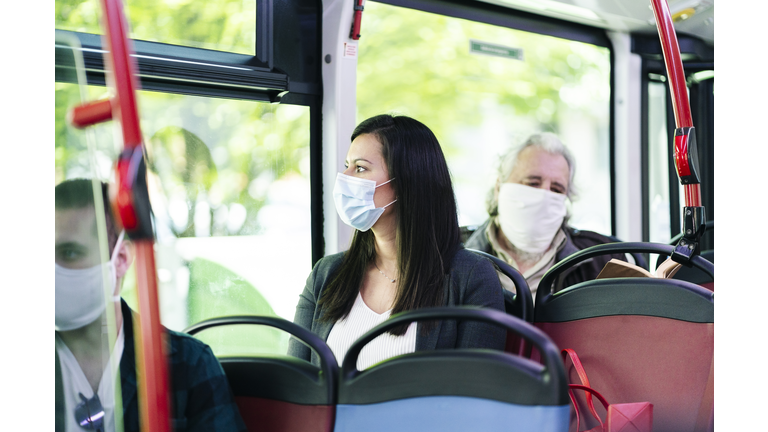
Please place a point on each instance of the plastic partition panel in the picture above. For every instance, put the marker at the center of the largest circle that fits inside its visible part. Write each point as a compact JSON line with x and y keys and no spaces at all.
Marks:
{"x":644,"y":359}
{"x":451,"y":413}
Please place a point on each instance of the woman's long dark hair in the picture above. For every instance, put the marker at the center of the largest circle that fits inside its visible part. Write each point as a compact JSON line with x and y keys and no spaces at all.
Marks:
{"x":427,"y":224}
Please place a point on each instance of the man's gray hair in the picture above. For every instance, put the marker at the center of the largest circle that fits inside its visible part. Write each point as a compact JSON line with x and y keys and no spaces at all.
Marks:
{"x":546,"y":141}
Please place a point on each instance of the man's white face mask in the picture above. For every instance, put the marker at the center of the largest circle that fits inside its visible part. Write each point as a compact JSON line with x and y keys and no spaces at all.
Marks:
{"x":80,"y":292}
{"x":530,"y":217}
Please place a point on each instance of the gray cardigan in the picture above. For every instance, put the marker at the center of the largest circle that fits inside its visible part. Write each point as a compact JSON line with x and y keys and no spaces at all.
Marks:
{"x":472,"y":280}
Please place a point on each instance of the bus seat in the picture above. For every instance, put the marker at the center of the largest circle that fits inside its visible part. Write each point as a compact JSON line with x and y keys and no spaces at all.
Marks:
{"x":518,"y":303}
{"x":694,"y":275}
{"x":277,"y":393}
{"x":467,"y":231}
{"x":454,"y":390}
{"x":639,"y":339}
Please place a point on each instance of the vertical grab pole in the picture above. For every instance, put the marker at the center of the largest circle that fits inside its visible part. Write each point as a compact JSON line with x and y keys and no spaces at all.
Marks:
{"x":686,"y":160}
{"x":131,"y":203}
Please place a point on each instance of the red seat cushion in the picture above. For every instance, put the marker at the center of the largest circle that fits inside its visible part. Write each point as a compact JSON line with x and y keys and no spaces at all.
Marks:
{"x":267,"y":415}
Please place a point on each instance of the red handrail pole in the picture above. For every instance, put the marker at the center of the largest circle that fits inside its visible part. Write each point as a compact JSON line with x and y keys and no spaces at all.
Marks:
{"x":123,"y":67}
{"x":154,"y":399}
{"x":154,"y":394}
{"x":678,"y":88}
{"x":91,"y":113}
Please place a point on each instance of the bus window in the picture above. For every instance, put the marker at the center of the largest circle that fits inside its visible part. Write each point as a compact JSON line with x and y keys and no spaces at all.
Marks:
{"x":230,"y":194}
{"x":223,"y":25}
{"x":482,"y":88}
{"x":658,"y":164}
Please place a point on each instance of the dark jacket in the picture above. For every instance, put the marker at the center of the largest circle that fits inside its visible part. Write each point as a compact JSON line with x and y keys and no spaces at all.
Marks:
{"x":471,"y":280}
{"x":575,"y":240}
{"x":201,"y":399}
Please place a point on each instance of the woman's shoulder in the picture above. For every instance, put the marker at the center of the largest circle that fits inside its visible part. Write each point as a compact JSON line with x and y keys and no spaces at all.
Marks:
{"x":330,"y":260}
{"x":326,"y":266}
{"x":464,"y":261}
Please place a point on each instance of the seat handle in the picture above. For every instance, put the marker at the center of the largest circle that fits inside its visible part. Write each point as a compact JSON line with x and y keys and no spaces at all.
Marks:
{"x":548,"y":350}
{"x":545,"y":286}
{"x":523,"y":299}
{"x":328,"y":364}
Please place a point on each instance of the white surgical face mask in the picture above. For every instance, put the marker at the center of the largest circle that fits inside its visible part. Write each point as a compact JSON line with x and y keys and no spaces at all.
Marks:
{"x":530,"y":217}
{"x":80,"y":292}
{"x":354,"y":201}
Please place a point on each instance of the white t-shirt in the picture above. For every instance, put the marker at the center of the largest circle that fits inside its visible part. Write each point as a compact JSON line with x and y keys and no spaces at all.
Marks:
{"x":74,"y":382}
{"x":361,"y":319}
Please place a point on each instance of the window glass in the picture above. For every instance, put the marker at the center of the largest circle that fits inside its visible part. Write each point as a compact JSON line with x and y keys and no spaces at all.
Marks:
{"x":480,"y":101}
{"x":230,"y":194}
{"x":223,"y":25}
{"x":659,"y":228}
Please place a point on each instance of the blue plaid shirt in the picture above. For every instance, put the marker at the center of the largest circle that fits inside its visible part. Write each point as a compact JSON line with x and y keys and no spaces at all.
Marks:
{"x":201,"y":399}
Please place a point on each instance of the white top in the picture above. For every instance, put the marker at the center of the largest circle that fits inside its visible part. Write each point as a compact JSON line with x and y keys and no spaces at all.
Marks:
{"x":361,"y":319}
{"x":74,"y":382}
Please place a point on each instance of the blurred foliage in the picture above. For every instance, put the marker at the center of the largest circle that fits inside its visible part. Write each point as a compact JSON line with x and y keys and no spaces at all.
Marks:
{"x":419,"y":64}
{"x":238,"y":149}
{"x":478,"y":105}
{"x":215,"y":291}
{"x":224,"y":25}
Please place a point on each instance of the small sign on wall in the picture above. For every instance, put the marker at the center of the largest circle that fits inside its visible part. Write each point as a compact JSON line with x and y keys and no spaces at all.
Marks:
{"x":485,"y":48}
{"x":350,"y":49}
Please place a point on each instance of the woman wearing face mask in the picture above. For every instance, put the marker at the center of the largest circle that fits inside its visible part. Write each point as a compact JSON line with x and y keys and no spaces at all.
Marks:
{"x":405,"y":254}
{"x":528,"y":208}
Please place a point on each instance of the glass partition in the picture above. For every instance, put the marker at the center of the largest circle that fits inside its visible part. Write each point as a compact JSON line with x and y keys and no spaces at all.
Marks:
{"x":90,"y":340}
{"x":482,"y":89}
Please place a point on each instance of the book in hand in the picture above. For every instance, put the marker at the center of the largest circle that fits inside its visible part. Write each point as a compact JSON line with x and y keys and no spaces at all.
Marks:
{"x":622,"y":269}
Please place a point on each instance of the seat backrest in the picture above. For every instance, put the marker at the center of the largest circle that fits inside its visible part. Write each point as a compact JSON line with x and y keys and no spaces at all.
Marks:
{"x":454,"y":390}
{"x":281,"y":393}
{"x":639,"y":339}
{"x":518,"y":303}
{"x":697,"y":276}
{"x":467,"y":231}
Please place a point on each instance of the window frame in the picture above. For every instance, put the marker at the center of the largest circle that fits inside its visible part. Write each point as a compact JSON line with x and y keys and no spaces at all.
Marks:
{"x":290,"y":77}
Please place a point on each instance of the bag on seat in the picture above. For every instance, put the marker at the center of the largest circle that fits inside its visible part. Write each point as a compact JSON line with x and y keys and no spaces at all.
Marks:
{"x":625,"y":417}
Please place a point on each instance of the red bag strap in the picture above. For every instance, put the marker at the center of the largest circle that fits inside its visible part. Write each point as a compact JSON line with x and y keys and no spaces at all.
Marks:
{"x":590,"y":391}
{"x":567,"y":352}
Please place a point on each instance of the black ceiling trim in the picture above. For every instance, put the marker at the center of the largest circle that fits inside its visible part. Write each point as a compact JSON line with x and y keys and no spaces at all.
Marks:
{"x":691,"y":48}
